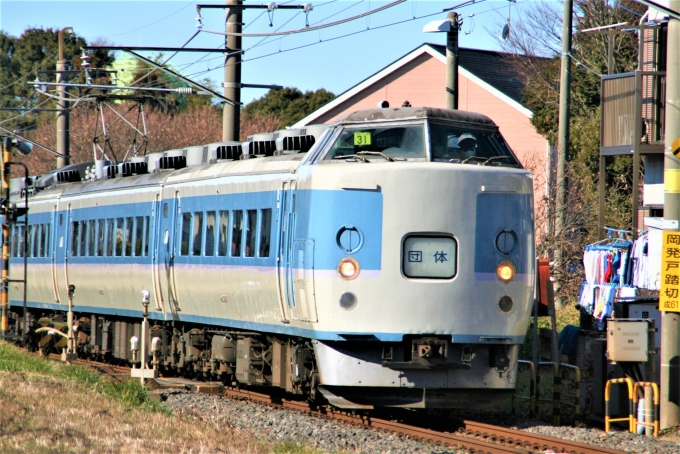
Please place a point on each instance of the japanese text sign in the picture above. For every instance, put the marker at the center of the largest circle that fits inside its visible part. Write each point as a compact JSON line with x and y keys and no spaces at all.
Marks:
{"x":669,"y":297}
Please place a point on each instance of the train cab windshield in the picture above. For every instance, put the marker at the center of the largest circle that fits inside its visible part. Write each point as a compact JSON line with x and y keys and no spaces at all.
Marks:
{"x":455,"y":144}
{"x":447,"y":143}
{"x":406,"y":142}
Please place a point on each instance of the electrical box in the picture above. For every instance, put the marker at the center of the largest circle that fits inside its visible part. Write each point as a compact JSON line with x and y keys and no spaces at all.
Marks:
{"x":627,"y":340}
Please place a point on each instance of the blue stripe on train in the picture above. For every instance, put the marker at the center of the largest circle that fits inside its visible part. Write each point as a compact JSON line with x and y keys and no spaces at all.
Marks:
{"x":496,"y":212}
{"x":320,"y":214}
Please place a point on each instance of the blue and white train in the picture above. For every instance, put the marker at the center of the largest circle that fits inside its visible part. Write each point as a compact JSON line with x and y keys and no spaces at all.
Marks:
{"x":384,"y":260}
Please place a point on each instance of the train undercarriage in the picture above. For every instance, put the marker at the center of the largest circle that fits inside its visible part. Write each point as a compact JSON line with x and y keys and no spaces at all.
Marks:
{"x":232,"y":357}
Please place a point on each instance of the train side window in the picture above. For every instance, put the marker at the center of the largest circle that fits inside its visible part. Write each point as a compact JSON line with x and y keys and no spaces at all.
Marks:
{"x":210,"y":234}
{"x":198,"y":233}
{"x":91,"y":237}
{"x":48,"y":240}
{"x":223,"y":245}
{"x":251,"y":233}
{"x":128,"y":237}
{"x":33,"y":249}
{"x":37,"y":245}
{"x":165,"y":209}
{"x":146,"y":235}
{"x":20,"y":241}
{"x":13,"y":241}
{"x":82,"y":237}
{"x":108,"y":249}
{"x":20,"y":249}
{"x":265,"y":232}
{"x":119,"y":237}
{"x":236,"y":233}
{"x":100,"y":238}
{"x":74,"y":238}
{"x":61,"y":219}
{"x":139,"y":235}
{"x":42,"y":240}
{"x":29,"y":240}
{"x":36,"y":241}
{"x":186,"y":234}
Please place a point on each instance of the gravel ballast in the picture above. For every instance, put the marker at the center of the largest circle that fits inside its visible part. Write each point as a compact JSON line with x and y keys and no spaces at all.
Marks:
{"x":277,"y":425}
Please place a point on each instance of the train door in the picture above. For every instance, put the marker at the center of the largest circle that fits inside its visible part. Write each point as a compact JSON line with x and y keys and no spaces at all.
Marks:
{"x":166,"y":252}
{"x":157,"y":232}
{"x":281,"y":253}
{"x":296,"y":261}
{"x":53,"y":241}
{"x":62,"y":245}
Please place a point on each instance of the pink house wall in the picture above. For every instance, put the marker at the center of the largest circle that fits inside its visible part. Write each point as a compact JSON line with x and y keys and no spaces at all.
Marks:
{"x":421,"y":82}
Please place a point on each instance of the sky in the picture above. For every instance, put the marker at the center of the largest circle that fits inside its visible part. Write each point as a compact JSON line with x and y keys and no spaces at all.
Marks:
{"x":335,"y":58}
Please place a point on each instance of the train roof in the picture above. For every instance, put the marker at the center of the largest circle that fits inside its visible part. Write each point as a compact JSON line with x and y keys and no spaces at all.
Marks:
{"x":274,"y":164}
{"x":409,"y":113}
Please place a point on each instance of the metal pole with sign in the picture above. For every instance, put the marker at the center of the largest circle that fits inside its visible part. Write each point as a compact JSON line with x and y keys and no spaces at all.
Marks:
{"x":668,"y":299}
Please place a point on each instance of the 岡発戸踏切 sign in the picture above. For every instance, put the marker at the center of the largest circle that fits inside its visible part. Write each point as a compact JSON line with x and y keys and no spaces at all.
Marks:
{"x":669,"y":297}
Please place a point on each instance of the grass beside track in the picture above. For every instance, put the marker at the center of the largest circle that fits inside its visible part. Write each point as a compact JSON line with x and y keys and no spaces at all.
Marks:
{"x":50,"y":407}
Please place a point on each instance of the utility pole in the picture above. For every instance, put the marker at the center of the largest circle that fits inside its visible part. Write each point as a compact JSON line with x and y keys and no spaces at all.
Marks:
{"x":563,"y":142}
{"x":63,"y":104}
{"x":9,"y":214}
{"x":452,"y":62}
{"x":231,"y":114}
{"x":4,"y":290}
{"x":670,"y":329}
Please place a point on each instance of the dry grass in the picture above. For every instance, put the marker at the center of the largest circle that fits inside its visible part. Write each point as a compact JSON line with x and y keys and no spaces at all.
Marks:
{"x":50,"y":408}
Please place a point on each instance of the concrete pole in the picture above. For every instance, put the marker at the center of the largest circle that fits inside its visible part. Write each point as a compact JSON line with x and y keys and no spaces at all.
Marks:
{"x":452,"y":63}
{"x":670,"y":331}
{"x":563,"y":142}
{"x":231,"y":114}
{"x":63,"y":105}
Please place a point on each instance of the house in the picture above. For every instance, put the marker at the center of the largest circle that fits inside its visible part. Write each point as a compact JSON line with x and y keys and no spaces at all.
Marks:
{"x":488,"y":83}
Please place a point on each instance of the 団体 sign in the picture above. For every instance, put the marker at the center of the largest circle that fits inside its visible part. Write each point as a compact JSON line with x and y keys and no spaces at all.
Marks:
{"x":669,"y":297}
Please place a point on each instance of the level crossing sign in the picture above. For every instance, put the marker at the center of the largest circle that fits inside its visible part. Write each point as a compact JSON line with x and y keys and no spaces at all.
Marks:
{"x":669,"y":297}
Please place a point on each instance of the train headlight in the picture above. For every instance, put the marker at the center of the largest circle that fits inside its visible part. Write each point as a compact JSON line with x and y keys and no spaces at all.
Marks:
{"x":348,"y":268}
{"x":505,"y":272}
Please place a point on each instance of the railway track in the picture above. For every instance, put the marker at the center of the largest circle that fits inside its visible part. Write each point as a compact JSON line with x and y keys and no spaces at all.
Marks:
{"x":474,"y":437}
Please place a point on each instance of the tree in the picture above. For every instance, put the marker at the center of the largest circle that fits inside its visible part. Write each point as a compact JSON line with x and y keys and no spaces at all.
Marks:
{"x":34,"y":55}
{"x":288,"y":104}
{"x":197,"y":126}
{"x":538,"y":33}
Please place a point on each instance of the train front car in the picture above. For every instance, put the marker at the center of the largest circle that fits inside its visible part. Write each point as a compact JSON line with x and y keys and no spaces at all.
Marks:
{"x":424,"y":278}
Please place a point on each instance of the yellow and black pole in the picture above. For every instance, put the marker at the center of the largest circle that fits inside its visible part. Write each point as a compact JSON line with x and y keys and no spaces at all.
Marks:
{"x":4,"y":297}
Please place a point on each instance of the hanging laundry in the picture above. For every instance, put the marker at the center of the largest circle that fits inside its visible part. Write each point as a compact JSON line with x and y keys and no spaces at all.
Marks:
{"x":604,"y":305}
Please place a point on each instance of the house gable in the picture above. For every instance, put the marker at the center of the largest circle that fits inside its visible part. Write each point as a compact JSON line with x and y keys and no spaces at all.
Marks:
{"x":400,"y":77}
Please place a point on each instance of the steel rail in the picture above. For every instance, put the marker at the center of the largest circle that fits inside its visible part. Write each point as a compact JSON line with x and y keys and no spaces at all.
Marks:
{"x":475,"y":445}
{"x":536,"y":442}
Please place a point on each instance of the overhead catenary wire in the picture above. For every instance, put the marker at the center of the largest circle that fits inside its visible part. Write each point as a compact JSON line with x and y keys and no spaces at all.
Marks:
{"x":261,"y":42}
{"x":307,"y":29}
